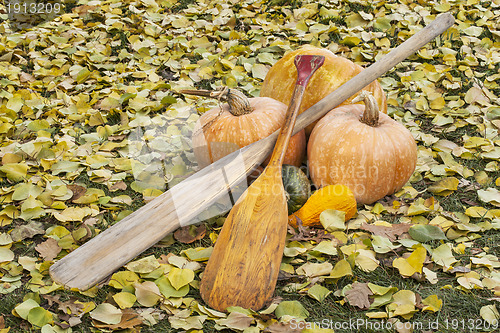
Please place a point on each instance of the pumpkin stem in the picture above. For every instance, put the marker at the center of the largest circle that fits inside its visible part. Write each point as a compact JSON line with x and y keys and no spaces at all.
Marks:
{"x":237,"y":102}
{"x":371,"y":114}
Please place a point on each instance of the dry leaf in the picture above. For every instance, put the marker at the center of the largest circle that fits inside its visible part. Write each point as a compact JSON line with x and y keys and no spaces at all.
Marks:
{"x":388,"y":232}
{"x":358,"y":295}
{"x":48,"y":249}
{"x":190,"y":234}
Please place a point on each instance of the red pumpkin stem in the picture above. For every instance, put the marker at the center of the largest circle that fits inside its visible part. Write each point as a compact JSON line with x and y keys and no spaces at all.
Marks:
{"x":237,"y":102}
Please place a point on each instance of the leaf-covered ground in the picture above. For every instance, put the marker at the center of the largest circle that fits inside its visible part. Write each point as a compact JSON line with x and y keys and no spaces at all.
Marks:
{"x":92,"y":128}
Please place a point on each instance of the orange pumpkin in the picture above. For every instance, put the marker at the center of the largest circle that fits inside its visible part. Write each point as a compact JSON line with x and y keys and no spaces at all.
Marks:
{"x":280,"y":80}
{"x":361,"y":148}
{"x":238,"y":123}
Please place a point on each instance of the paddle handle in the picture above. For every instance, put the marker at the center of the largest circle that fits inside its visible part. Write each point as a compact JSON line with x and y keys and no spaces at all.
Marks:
{"x":306,"y":66}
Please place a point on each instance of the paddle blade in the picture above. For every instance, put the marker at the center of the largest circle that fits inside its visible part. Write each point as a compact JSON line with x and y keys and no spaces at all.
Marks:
{"x":244,"y":266}
{"x":306,"y":65}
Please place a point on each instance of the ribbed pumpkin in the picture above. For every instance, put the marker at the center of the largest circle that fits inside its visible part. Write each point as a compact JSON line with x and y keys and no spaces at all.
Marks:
{"x":338,"y":197}
{"x":361,"y":148}
{"x":239,"y":122}
{"x":279,"y":81}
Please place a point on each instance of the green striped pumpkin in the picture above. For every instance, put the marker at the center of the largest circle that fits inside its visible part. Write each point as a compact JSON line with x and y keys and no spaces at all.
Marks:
{"x":297,"y":187}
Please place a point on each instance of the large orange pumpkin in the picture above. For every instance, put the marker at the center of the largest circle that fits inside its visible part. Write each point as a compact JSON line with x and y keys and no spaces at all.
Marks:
{"x":240,"y":122}
{"x":361,"y":148}
{"x":280,"y":80}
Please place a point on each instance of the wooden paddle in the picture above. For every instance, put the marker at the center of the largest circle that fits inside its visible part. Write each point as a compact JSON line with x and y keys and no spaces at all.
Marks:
{"x":102,"y":255}
{"x":244,"y":265}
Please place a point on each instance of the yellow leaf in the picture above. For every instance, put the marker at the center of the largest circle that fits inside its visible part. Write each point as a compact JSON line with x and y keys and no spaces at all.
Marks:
{"x":15,"y":171}
{"x":73,"y":214}
{"x":490,"y":195}
{"x":432,"y":303}
{"x":445,"y":186}
{"x":21,"y":310}
{"x":377,"y":315}
{"x":438,"y":103}
{"x":476,"y":211}
{"x":6,"y":255}
{"x":147,"y":293}
{"x":442,"y":222}
{"x":403,"y":304}
{"x":10,"y":158}
{"x":443,"y":256}
{"x":122,"y":279}
{"x":418,"y":207}
{"x":430,"y":275}
{"x":107,"y":313}
{"x":490,"y":314}
{"x":404,"y":267}
{"x":15,"y":103}
{"x":144,"y":265}
{"x":413,"y":264}
{"x":311,"y":269}
{"x":468,"y":282}
{"x":380,"y":290}
{"x":180,"y":277}
{"x":342,"y":268}
{"x":332,"y":220}
{"x":82,"y":75}
{"x":366,"y":260}
{"x":259,"y":71}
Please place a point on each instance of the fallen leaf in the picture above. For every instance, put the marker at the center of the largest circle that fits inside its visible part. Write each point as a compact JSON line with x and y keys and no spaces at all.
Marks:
{"x":358,"y":295}
{"x":445,"y":186}
{"x":129,"y":319}
{"x":143,"y":265}
{"x":39,"y":317}
{"x":122,"y":279}
{"x":432,"y":303}
{"x":184,"y":320}
{"x":332,"y":220}
{"x":6,"y":255}
{"x":292,"y":309}
{"x":27,"y":231}
{"x":124,"y":300}
{"x":315,"y":269}
{"x":443,"y":256}
{"x":490,"y":195}
{"x":147,"y":293}
{"x":342,"y":268}
{"x":385,"y":231}
{"x":235,"y":321}
{"x":318,"y":292}
{"x":413,"y":264}
{"x":180,"y":277}
{"x":403,"y":304}
{"x":190,"y":234}
{"x":490,"y":314}
{"x":426,"y":232}
{"x":107,"y":314}
{"x":48,"y":249}
{"x":281,"y":327}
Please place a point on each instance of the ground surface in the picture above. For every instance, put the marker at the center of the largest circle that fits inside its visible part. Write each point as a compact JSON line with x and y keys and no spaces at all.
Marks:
{"x":91,"y":128}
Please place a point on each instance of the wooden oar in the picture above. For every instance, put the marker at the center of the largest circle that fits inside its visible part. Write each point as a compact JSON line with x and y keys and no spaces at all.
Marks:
{"x":244,"y":265}
{"x":102,"y":255}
